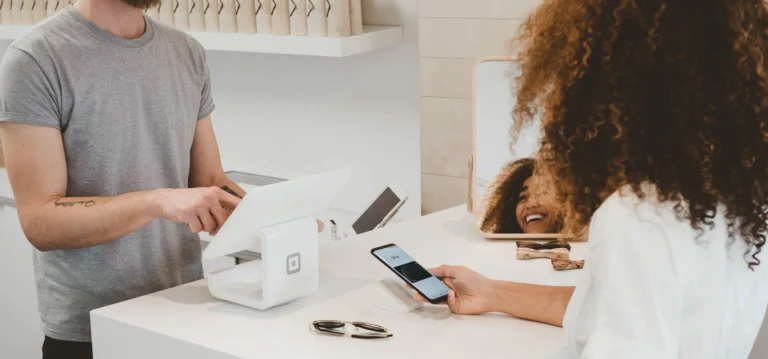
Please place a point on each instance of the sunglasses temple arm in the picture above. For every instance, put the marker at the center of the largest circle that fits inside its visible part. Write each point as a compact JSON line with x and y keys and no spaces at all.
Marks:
{"x":357,"y":336}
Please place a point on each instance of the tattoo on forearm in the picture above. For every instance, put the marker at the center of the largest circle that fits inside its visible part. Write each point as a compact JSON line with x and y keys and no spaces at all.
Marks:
{"x":231,"y":191}
{"x":60,"y":203}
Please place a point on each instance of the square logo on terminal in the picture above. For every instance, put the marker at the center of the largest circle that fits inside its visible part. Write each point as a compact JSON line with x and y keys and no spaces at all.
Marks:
{"x":293,"y":263}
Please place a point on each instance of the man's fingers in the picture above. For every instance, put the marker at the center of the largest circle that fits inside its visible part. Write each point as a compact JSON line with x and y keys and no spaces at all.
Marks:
{"x":194,"y":225}
{"x":320,"y":226}
{"x":226,"y":199}
{"x":220,"y":215}
{"x":209,"y":224}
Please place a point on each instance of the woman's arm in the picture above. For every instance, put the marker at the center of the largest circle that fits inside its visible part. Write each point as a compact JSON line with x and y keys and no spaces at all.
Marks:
{"x":472,"y":293}
{"x":539,"y":303}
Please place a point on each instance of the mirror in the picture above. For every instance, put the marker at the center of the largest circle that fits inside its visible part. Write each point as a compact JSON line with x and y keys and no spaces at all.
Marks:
{"x":507,"y":200}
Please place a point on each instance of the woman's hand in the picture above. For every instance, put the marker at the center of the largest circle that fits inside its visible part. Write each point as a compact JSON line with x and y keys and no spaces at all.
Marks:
{"x":470,"y":293}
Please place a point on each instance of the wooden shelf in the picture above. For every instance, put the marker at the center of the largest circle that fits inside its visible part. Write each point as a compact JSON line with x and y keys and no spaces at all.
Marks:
{"x":373,"y":38}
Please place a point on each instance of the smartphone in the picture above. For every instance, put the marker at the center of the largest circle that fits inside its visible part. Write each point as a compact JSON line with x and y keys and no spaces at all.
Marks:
{"x":381,"y":210}
{"x":413,"y":273}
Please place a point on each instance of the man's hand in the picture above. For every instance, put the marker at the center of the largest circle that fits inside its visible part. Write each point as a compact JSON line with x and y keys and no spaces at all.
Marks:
{"x":471,"y":293}
{"x":201,"y":209}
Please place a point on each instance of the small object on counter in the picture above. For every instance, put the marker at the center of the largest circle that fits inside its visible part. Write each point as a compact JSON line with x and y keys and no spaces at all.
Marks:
{"x":564,"y":265}
{"x":558,"y":253}
{"x":549,"y":250}
{"x":546,"y":245}
{"x":334,"y":230}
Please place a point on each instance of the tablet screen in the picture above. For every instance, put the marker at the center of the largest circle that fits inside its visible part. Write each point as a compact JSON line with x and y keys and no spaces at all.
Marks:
{"x":376,"y":213}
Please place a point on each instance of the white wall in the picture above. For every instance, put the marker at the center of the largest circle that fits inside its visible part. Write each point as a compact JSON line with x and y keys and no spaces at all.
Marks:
{"x":453,"y":35}
{"x":20,"y":335}
{"x":288,"y":116}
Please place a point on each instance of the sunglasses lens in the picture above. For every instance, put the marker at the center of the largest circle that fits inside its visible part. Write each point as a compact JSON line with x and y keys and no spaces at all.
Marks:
{"x":328,"y":324}
{"x":371,"y":327}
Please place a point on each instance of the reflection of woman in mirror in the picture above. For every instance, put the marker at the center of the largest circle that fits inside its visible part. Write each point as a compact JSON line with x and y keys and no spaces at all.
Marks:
{"x":517,"y":202}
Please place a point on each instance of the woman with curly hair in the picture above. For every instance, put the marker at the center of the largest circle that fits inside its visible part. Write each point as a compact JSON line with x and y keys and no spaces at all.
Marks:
{"x":655,"y":125}
{"x":517,"y":202}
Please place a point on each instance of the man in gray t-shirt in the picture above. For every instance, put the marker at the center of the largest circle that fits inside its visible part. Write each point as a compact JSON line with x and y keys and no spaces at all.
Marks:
{"x":105,"y":123}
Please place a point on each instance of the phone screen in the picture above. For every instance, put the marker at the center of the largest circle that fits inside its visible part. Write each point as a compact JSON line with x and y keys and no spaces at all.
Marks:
{"x":418,"y":277}
{"x":376,"y":213}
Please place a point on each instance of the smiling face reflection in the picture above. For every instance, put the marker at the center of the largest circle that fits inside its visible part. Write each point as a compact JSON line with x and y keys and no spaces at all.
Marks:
{"x":536,"y":211}
{"x":520,"y":201}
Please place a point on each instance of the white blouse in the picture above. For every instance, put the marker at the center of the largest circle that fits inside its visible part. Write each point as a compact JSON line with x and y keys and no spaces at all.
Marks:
{"x":651,"y":289}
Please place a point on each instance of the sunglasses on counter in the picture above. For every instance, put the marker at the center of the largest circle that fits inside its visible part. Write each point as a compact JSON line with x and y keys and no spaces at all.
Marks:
{"x":359,"y":330}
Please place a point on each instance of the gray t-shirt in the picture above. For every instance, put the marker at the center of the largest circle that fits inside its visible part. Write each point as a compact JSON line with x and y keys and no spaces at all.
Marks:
{"x":127,"y":111}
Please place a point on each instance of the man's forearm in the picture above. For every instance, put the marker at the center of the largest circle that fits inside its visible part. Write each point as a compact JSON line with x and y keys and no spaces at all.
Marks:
{"x":67,"y":222}
{"x":545,"y":304}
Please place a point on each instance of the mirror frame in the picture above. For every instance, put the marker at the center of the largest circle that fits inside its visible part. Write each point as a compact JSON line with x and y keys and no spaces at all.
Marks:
{"x":471,"y":178}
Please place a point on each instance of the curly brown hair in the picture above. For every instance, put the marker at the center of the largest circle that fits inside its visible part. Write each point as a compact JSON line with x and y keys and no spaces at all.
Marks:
{"x":502,"y":198}
{"x":499,"y":206}
{"x":673,"y":93}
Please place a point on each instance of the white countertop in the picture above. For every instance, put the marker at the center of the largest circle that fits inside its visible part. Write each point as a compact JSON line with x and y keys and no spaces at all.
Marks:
{"x":187,"y":322}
